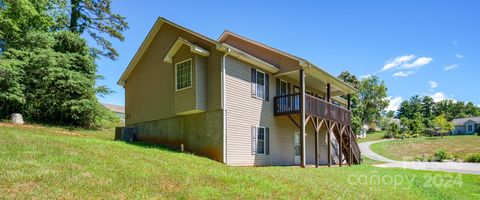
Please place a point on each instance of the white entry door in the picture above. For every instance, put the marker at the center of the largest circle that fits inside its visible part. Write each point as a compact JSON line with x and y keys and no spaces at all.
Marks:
{"x":296,"y":147}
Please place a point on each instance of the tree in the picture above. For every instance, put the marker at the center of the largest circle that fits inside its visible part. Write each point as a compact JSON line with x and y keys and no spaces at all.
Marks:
{"x":95,"y":17}
{"x":372,"y":99}
{"x":351,"y":79}
{"x":391,"y":128}
{"x":413,"y":125}
{"x":471,"y":110}
{"x":442,"y":124}
{"x":390,"y":114}
{"x":427,"y":111}
{"x":18,"y":17}
{"x":47,"y":73}
{"x":404,"y":110}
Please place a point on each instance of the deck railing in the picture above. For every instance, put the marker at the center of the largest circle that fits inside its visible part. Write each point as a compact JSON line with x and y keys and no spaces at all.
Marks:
{"x":290,"y":104}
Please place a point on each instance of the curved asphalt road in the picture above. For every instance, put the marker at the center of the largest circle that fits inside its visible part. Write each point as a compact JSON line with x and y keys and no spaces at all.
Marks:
{"x":467,"y":168}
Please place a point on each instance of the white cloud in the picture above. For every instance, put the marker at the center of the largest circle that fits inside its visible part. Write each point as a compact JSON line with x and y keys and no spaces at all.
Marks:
{"x":418,"y":63}
{"x":403,"y":74}
{"x":459,"y":56}
{"x":439,"y":96}
{"x":394,"y":103}
{"x":450,"y":67}
{"x":365,"y":76}
{"x":392,"y":63}
{"x":433,"y":84}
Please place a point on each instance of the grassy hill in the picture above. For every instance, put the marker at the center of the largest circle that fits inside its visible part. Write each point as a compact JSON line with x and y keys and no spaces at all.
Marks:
{"x":457,"y":145}
{"x":51,"y":163}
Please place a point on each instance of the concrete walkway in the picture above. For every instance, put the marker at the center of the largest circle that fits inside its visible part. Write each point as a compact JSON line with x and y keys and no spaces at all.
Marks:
{"x":467,"y":168}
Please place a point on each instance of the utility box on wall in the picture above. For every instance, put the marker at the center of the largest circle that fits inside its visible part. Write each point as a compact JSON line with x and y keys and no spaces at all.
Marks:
{"x":127,"y":134}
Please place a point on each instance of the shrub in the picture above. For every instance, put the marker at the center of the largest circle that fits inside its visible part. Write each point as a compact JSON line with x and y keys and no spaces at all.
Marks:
{"x":422,"y":158}
{"x":474,"y":157}
{"x":388,"y":135}
{"x":440,"y":155}
{"x":416,"y":135}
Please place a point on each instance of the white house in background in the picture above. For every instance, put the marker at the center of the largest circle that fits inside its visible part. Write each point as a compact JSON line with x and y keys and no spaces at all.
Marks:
{"x":466,"y":125}
{"x":117,"y":109}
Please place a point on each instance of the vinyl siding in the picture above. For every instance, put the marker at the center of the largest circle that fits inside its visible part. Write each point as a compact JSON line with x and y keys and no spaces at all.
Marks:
{"x":200,"y":83}
{"x":150,"y":87}
{"x":184,"y":99}
{"x":244,"y":111}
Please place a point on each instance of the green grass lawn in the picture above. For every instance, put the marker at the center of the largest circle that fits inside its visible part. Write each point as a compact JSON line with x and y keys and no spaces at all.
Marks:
{"x":408,"y":149}
{"x":54,"y":163}
{"x":372,"y":136}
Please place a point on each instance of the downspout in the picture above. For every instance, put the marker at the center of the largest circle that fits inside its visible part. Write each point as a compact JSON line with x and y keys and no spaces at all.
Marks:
{"x":224,"y":108}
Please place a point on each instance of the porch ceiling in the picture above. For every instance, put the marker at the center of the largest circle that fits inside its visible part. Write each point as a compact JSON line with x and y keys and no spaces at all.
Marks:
{"x":315,"y":81}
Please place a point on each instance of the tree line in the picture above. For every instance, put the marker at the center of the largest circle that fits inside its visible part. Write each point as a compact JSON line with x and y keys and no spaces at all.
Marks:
{"x":423,"y":113}
{"x":47,"y":70}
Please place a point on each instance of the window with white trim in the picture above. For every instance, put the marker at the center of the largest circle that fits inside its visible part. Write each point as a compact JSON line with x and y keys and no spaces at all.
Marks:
{"x":261,"y":140}
{"x":470,"y":128}
{"x":260,"y":89}
{"x":183,"y":74}
{"x":260,"y":84}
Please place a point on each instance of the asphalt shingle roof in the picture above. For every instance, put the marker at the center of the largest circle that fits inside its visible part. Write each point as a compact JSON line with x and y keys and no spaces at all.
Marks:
{"x":462,"y":121}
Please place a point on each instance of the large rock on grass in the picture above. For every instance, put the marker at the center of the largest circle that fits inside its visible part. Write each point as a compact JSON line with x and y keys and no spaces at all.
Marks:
{"x":17,"y":118}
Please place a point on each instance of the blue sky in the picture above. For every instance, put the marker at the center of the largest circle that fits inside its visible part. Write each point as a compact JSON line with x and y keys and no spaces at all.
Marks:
{"x":416,"y":47}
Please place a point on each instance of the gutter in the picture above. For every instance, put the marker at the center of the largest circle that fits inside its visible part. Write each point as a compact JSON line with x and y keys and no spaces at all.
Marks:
{"x":224,"y":110}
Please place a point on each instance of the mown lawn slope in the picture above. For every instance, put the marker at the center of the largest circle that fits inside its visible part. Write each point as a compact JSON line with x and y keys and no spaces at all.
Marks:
{"x":458,"y":145}
{"x":52,"y":163}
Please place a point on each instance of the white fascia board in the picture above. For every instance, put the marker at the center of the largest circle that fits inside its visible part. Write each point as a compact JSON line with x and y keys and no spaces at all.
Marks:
{"x":176,"y":46}
{"x":247,"y":58}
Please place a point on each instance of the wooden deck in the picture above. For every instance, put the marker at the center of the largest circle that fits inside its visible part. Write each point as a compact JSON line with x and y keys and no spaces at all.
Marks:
{"x":289,"y":104}
{"x":336,"y":119}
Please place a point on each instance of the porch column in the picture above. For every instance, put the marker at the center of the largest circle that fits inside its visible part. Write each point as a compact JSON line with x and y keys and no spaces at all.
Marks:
{"x":302,"y":118}
{"x":328,"y":92}
{"x":349,"y":102}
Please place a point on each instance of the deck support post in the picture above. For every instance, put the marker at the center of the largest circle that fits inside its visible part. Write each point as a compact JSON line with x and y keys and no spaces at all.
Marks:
{"x":316,"y":147}
{"x":329,"y":145}
{"x":302,"y":118}
{"x":350,"y":158}
{"x":329,"y":141}
{"x":340,"y":143}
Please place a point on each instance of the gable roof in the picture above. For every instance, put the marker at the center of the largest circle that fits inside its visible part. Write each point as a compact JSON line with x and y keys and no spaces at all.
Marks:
{"x":302,"y":63}
{"x":150,"y":36}
{"x":461,"y":121}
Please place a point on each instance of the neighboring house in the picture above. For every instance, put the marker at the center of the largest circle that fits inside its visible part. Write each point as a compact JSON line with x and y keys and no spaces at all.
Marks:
{"x":118,"y":110}
{"x":466,"y":125}
{"x":236,"y":101}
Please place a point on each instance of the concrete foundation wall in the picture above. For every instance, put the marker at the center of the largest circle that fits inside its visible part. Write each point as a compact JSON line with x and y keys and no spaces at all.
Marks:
{"x":201,"y":133}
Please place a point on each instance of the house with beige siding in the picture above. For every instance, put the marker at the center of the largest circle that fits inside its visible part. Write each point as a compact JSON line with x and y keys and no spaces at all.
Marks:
{"x":236,"y":101}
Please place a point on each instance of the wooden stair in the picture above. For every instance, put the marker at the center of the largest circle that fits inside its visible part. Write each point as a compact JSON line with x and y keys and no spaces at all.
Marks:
{"x":347,"y":147}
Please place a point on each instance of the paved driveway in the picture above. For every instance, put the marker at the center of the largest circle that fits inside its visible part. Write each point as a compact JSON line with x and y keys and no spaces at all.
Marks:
{"x":467,"y":168}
